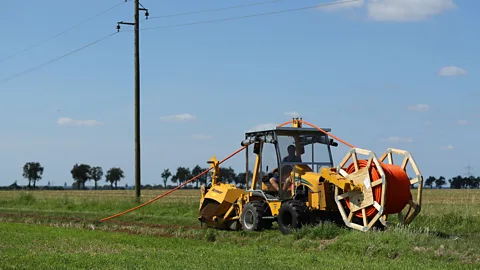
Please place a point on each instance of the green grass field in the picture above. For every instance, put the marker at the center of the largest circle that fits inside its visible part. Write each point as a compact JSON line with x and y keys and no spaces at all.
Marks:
{"x":60,"y":229}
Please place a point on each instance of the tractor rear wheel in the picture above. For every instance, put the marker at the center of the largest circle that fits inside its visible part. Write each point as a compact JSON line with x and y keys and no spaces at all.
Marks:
{"x":252,"y":216}
{"x":292,"y":216}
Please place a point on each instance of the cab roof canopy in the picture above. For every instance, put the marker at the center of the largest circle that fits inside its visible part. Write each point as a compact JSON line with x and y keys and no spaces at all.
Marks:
{"x":286,"y":131}
{"x":271,"y":135}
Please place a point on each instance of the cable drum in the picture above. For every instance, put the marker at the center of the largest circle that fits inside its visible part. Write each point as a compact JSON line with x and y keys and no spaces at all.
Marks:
{"x":386,"y":189}
{"x":397,"y":193}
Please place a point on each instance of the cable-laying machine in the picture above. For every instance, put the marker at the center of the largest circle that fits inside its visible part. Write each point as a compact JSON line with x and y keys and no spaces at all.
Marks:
{"x":306,"y":187}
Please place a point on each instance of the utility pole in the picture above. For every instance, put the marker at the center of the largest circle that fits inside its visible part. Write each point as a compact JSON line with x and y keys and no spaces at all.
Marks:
{"x":136,"y":25}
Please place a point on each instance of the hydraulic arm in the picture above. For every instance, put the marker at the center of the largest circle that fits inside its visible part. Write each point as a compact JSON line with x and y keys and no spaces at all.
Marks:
{"x":332,"y":176}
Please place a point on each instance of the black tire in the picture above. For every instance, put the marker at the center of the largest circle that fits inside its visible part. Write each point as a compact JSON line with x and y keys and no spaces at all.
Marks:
{"x":252,"y":216}
{"x":292,"y":216}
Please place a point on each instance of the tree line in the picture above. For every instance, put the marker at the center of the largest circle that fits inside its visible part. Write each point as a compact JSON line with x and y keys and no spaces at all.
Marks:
{"x":456,"y":182}
{"x":82,"y":173}
{"x":183,"y":174}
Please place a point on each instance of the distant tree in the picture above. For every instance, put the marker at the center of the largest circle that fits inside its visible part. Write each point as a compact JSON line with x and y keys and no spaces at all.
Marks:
{"x":439,"y":182}
{"x":81,"y":174}
{"x":114,"y":175}
{"x":201,"y":179}
{"x":241,"y":179}
{"x":96,"y":173}
{"x":470,"y":182}
{"x":476,"y":182}
{"x":430,"y":180}
{"x":32,"y":171}
{"x":175,"y":180}
{"x":206,"y":178}
{"x":75,"y":185}
{"x":14,"y":186}
{"x":165,"y":175}
{"x":457,"y":182}
{"x":182,"y":175}
{"x":227,"y":175}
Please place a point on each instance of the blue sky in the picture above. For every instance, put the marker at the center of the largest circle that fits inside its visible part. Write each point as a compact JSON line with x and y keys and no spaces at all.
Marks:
{"x":384,"y":73}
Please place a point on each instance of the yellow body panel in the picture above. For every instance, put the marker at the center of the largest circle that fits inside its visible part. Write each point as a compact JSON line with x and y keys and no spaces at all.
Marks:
{"x":224,"y":208}
{"x":321,"y":199}
{"x":274,"y":207}
{"x":224,"y":192}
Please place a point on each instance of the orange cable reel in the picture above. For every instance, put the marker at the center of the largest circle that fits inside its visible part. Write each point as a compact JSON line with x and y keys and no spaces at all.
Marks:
{"x":386,"y":189}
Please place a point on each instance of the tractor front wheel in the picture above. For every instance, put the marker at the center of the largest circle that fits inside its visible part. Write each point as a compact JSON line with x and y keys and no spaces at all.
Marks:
{"x":292,"y":216}
{"x":252,"y":216}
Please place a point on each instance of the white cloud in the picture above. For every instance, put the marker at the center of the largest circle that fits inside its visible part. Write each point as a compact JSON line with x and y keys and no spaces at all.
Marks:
{"x":397,"y":10}
{"x":72,"y":122}
{"x":201,"y":137}
{"x":178,"y":117}
{"x":396,"y":139}
{"x":292,"y":114}
{"x":407,"y":10}
{"x":419,"y":107}
{"x":462,"y":122}
{"x":428,"y":123}
{"x":448,"y":147}
{"x":451,"y":71}
{"x":263,"y":127}
{"x":347,"y":5}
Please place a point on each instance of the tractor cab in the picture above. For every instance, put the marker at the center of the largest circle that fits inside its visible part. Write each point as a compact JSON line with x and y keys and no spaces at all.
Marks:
{"x":284,"y":155}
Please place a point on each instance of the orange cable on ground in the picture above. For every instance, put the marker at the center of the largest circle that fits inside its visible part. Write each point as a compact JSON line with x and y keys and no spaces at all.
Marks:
{"x":172,"y":190}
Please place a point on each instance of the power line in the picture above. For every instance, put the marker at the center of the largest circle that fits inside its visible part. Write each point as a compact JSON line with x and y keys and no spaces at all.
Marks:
{"x":55,"y":59}
{"x":248,"y":16}
{"x":62,"y":32}
{"x":215,"y":9}
{"x":7,"y":79}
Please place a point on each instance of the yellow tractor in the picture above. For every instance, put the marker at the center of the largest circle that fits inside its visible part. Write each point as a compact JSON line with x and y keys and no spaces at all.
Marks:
{"x":305,"y":187}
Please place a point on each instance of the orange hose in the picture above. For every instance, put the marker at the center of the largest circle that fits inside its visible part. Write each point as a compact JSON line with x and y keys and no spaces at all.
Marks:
{"x":321,"y":130}
{"x":172,"y":190}
{"x":398,"y":188}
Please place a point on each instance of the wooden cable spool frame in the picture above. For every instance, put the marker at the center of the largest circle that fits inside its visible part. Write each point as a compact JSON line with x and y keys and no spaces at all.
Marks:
{"x":359,"y":201}
{"x":407,"y":159}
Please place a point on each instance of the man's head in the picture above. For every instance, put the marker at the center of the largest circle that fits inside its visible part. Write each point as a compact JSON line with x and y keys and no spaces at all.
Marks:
{"x":291,"y":150}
